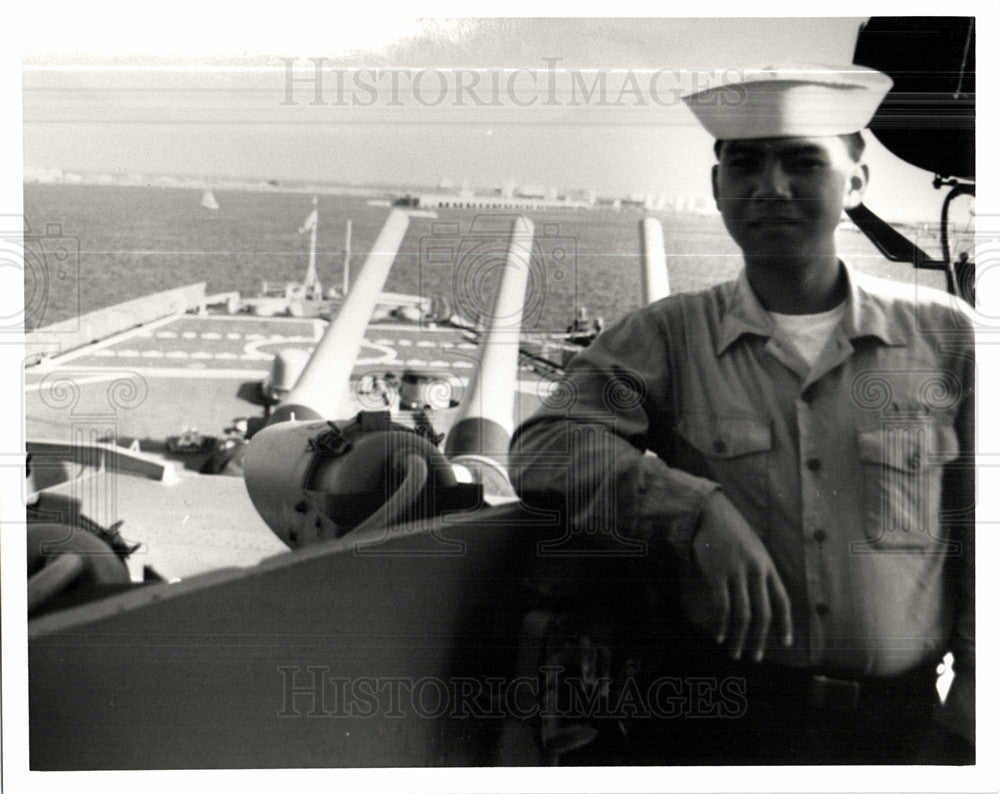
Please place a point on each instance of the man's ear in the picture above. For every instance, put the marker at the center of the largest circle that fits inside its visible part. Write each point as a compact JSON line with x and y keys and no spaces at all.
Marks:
{"x":857,"y":182}
{"x":715,"y":186}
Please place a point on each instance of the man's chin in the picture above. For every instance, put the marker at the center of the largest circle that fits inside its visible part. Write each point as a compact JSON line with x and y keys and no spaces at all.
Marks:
{"x":777,"y":251}
{"x":775,"y":227}
{"x":785,"y":238}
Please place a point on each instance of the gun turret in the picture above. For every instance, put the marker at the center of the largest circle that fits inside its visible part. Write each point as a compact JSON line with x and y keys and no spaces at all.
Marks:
{"x":655,"y":281}
{"x":480,"y":437}
{"x":311,"y":478}
{"x":321,"y":389}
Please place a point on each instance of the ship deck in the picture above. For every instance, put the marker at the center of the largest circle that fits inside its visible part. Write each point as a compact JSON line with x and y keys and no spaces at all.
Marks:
{"x":186,"y":371}
{"x":198,"y":371}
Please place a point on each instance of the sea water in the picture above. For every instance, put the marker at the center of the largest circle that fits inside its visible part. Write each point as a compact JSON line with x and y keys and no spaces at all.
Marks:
{"x":124,"y":242}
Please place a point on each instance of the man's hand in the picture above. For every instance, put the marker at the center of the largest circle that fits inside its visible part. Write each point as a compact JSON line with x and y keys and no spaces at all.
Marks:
{"x":741,"y":592}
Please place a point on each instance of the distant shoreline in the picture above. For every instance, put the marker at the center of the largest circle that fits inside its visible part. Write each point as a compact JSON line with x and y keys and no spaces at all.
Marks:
{"x":202,"y":183}
{"x":390,"y":192}
{"x":436,"y":195}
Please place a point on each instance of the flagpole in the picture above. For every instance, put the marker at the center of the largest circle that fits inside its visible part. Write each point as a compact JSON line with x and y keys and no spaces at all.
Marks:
{"x":347,"y":257}
{"x":312,"y":281}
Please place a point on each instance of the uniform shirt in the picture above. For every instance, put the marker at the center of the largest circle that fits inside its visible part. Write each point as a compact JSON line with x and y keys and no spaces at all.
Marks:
{"x":855,"y":471}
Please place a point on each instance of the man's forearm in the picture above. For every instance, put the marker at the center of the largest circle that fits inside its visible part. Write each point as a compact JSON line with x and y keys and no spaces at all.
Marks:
{"x":601,"y":482}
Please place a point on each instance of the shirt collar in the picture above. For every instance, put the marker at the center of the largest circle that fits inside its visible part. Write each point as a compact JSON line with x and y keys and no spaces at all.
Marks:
{"x":866,"y":314}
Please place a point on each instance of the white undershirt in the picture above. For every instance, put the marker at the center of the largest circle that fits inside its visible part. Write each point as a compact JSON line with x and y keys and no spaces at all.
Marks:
{"x":807,"y":333}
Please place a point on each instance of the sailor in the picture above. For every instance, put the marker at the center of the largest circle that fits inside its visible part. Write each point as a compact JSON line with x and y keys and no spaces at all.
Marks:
{"x":793,"y":447}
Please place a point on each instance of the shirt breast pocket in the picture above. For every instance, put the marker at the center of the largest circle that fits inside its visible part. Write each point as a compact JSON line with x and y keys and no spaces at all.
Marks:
{"x":733,"y":451}
{"x":902,"y":471}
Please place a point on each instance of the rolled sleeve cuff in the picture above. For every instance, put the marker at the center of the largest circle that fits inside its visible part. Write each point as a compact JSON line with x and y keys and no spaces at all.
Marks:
{"x":668,"y":504}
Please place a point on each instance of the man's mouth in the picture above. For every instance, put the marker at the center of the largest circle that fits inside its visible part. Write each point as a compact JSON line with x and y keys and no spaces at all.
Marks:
{"x":773,"y":212}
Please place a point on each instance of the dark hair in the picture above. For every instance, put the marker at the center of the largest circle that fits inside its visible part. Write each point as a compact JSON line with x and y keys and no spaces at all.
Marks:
{"x":854,"y":141}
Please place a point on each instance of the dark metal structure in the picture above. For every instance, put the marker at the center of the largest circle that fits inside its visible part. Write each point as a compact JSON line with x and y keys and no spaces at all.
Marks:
{"x":929,"y":120}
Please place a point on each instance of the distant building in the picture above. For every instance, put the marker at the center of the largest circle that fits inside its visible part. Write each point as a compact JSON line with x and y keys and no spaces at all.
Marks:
{"x":530,"y":191}
{"x":457,"y":201}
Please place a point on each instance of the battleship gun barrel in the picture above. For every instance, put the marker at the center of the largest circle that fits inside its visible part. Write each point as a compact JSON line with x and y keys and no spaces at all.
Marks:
{"x":482,"y":432}
{"x":323,"y":385}
{"x":655,"y":280}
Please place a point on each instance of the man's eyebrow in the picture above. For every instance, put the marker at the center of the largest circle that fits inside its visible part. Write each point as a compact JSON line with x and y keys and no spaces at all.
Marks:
{"x":736,"y":147}
{"x":746,"y":147}
{"x":804,"y":148}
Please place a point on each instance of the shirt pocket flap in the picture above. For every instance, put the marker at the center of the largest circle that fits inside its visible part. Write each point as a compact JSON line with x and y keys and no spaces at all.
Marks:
{"x":909,"y":449}
{"x":725,"y":437}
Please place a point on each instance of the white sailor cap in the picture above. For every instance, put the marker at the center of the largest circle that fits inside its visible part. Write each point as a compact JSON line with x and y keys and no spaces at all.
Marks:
{"x":789,"y":101}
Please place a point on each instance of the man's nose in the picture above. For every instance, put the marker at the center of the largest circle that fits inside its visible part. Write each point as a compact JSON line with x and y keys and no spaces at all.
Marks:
{"x":772,"y":181}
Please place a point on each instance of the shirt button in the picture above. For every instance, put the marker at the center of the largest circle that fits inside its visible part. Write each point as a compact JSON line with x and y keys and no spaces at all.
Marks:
{"x":819,"y":536}
{"x":719,"y":446}
{"x":813,"y":464}
{"x":822,"y":610}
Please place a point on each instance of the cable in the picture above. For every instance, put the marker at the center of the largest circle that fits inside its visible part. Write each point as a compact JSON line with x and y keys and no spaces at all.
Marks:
{"x":415,"y":474}
{"x":53,"y":578}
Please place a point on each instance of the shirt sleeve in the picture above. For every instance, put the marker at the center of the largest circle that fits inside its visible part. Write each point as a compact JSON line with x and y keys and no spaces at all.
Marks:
{"x":958,"y":514}
{"x":584,"y":452}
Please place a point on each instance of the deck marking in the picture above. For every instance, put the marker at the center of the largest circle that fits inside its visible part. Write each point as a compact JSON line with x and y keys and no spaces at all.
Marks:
{"x":222,"y":373}
{"x":79,"y":381}
{"x":388,"y":355}
{"x":87,"y":350}
{"x":251,"y":318}
{"x":250,"y":349}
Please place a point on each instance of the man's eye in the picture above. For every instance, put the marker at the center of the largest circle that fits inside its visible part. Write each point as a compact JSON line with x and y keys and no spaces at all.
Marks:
{"x":807,"y":163}
{"x":741,"y":163}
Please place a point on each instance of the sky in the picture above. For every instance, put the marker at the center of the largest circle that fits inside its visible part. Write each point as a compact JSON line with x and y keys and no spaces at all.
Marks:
{"x":580,"y":104}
